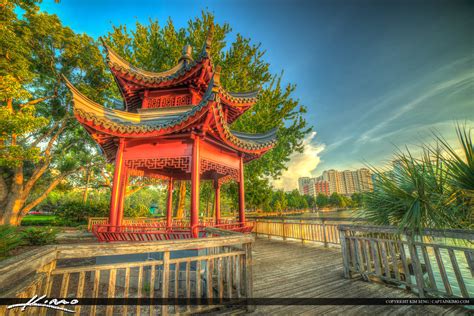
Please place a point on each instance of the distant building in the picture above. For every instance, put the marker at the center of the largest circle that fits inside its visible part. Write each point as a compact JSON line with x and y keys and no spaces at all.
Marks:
{"x":349,"y":184}
{"x":322,"y":187}
{"x":345,"y":182}
{"x":306,"y":186}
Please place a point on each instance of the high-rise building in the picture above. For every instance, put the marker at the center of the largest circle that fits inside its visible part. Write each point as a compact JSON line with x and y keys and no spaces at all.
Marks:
{"x":349,"y":185}
{"x":306,"y":186}
{"x":345,"y":182}
{"x":331,"y":177}
{"x":365,"y":180}
{"x":322,"y":187}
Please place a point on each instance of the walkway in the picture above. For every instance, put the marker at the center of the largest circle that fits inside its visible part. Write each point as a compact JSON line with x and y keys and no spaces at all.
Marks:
{"x":290,"y":269}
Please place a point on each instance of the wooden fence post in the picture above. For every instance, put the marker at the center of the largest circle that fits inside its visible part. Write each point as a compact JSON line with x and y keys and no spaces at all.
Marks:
{"x":249,"y":276}
{"x":416,"y":264}
{"x":345,"y":253}
{"x":324,"y":234}
{"x":165,"y":281}
{"x":284,"y":233}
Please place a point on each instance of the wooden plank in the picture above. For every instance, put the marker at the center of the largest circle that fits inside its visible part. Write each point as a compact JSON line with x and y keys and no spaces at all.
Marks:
{"x":80,"y":291}
{"x":375,"y":255}
{"x":403,"y":256}
{"x":442,"y":271}
{"x":385,"y":260}
{"x":345,"y":255}
{"x":139,"y":289}
{"x":470,"y":260}
{"x":165,"y":281}
{"x":111,"y":291}
{"x":457,"y":272}
{"x":95,"y":291}
{"x":394,"y":260}
{"x":426,"y":259}
{"x":126,"y":288}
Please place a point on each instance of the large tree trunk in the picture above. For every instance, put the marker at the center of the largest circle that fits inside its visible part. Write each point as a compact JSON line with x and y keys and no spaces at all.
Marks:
{"x":14,"y":201}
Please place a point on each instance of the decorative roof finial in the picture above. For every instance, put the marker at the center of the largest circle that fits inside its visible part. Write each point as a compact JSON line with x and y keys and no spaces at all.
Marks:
{"x":187,"y":53}
{"x":207,"y":44}
{"x":216,"y":79}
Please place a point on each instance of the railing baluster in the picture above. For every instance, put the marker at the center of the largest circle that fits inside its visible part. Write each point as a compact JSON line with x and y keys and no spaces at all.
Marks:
{"x":111,"y":290}
{"x":426,"y":259}
{"x":165,"y":281}
{"x":80,"y":290}
{"x":442,"y":271}
{"x":95,"y":291}
{"x":457,"y":272}
{"x":394,"y":260}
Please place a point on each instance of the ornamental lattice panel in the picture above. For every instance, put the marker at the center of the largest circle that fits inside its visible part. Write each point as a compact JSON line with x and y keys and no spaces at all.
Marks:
{"x":182,"y":163}
{"x":209,"y":165}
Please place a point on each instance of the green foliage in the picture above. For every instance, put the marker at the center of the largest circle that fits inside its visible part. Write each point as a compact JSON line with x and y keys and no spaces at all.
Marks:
{"x":10,"y":238}
{"x":39,"y":220}
{"x":337,"y":200}
{"x":427,"y":192}
{"x":40,"y":236}
{"x":357,"y":199}
{"x":75,"y":212}
{"x":322,"y":200}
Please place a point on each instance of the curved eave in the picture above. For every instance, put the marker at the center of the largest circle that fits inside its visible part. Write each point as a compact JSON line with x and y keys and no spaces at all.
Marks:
{"x":237,"y":104}
{"x":256,"y":144}
{"x":183,"y":71}
{"x":126,"y":124}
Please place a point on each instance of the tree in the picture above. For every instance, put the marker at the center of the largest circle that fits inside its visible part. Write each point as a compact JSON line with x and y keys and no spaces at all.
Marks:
{"x":156,"y":48}
{"x":357,"y":199}
{"x":40,"y":143}
{"x":430,"y":191}
{"x":336,"y":200}
{"x":322,"y":200}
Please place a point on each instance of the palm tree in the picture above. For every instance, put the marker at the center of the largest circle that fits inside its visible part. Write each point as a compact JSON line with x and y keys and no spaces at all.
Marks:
{"x":433,"y":191}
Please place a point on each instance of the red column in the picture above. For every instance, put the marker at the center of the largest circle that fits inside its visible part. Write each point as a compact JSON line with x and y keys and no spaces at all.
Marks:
{"x":195,"y":168}
{"x":169,"y":207}
{"x":116,"y":187}
{"x":121,"y":198}
{"x":241,"y":192}
{"x":217,"y":202}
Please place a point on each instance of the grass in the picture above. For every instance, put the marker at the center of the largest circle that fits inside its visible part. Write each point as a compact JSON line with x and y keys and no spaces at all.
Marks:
{"x":38,"y":220}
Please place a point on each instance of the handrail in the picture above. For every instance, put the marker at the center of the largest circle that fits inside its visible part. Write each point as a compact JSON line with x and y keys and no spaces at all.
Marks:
{"x":220,"y":269}
{"x":433,"y":262}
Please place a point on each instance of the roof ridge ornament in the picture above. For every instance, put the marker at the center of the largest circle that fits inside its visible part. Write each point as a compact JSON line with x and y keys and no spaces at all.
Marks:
{"x":206,"y":49}
{"x":187,"y":54}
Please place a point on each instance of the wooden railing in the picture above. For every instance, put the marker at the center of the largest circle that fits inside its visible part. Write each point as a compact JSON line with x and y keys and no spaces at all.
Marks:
{"x":322,"y":230}
{"x":437,"y":263}
{"x":216,"y":269}
{"x":159,"y":231}
{"x":143,"y":221}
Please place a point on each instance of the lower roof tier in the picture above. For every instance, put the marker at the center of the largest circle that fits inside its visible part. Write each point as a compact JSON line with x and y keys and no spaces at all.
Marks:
{"x":107,"y":125}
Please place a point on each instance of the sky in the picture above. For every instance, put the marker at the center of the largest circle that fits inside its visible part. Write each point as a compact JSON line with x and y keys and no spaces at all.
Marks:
{"x":374,"y":75}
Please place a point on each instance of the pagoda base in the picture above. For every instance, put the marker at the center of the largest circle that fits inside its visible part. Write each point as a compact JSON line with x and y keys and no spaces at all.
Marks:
{"x":159,"y":231}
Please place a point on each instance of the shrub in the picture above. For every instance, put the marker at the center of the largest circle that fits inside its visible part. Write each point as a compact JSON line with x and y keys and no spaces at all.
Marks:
{"x":39,"y":220}
{"x":40,"y":236}
{"x":75,"y":212}
{"x":10,"y":238}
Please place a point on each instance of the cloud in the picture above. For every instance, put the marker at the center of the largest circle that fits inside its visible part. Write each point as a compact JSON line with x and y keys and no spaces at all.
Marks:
{"x":300,"y":164}
{"x":443,"y":87}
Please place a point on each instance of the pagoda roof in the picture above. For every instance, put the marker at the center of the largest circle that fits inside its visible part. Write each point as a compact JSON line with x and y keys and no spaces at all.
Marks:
{"x":133,"y":80}
{"x":105,"y":124}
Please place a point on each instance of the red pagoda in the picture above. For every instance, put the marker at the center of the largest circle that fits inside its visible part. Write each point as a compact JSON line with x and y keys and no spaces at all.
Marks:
{"x":175,"y":125}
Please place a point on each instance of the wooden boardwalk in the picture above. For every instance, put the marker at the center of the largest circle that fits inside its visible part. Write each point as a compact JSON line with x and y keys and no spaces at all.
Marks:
{"x":290,"y":269}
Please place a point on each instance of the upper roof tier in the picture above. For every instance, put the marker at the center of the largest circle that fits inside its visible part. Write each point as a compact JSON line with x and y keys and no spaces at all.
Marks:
{"x":182,"y":85}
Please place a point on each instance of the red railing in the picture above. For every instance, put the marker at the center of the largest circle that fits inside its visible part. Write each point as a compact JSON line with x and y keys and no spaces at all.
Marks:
{"x":159,"y":231}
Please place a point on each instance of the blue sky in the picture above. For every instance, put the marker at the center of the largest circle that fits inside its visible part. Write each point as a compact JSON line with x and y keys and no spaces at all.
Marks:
{"x":373,"y":74}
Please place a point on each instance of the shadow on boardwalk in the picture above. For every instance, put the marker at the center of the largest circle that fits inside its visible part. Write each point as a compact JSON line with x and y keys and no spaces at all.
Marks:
{"x":290,"y":269}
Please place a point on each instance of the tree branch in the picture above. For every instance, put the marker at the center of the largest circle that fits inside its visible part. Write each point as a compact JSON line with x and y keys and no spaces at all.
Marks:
{"x":50,"y":188}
